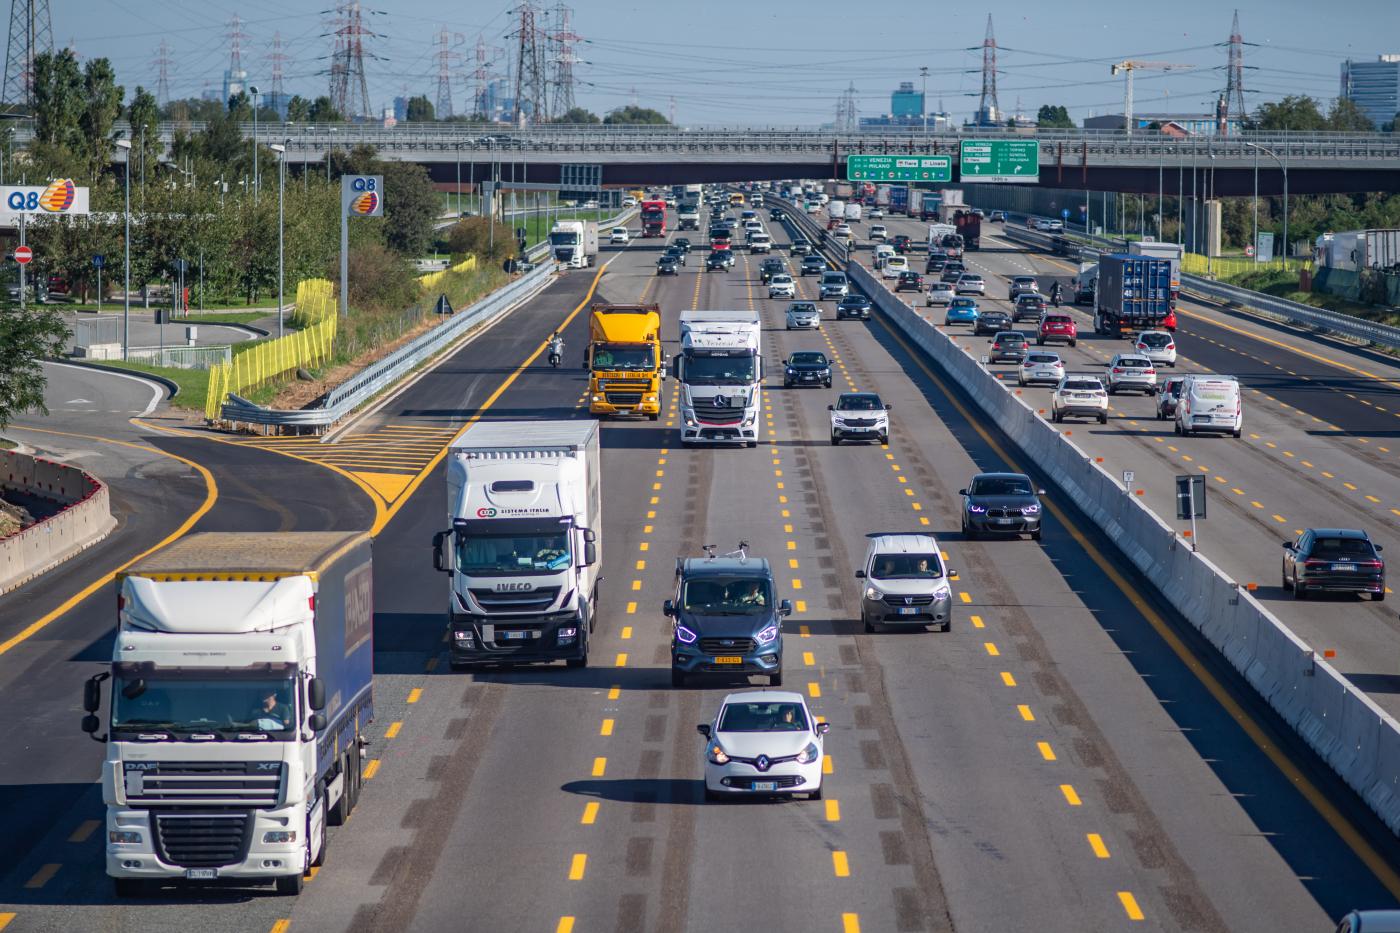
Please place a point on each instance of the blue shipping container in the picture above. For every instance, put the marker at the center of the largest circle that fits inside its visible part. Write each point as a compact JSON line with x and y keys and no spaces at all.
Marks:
{"x":1134,"y":289}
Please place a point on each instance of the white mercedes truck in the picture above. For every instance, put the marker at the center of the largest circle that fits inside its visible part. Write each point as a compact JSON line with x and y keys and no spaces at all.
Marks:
{"x":524,"y":503}
{"x":720,"y":368}
{"x":574,"y":242}
{"x":241,"y":688}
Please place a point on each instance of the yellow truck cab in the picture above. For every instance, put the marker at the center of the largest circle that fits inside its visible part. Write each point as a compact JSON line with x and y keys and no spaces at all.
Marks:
{"x":736,"y":199}
{"x":624,"y":360}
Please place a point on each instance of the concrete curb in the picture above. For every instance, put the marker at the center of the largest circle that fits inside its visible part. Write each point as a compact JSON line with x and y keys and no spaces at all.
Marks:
{"x":85,"y":520}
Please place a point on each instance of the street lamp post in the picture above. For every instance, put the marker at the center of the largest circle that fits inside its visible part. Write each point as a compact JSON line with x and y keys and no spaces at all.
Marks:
{"x":923,"y":94}
{"x":281,"y":150}
{"x":1284,"y":169}
{"x":125,"y":144}
{"x":253,"y":90}
{"x":330,"y":145}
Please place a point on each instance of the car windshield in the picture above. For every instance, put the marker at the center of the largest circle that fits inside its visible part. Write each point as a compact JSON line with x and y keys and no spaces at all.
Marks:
{"x":808,"y":358}
{"x":781,"y":280}
{"x":1154,"y":340}
{"x":763,"y":717}
{"x":566,"y":238}
{"x":1001,"y":486}
{"x":1342,"y":549}
{"x":1010,"y":338}
{"x":197,"y":702}
{"x":906,"y":567}
{"x":859,"y":403}
{"x":719,"y":370}
{"x":480,"y":555}
{"x":836,"y":279}
{"x":619,"y":229}
{"x":631,"y":358}
{"x":727,"y":596}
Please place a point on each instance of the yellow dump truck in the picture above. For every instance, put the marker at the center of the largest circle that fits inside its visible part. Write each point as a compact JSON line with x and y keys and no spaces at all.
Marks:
{"x":624,"y":360}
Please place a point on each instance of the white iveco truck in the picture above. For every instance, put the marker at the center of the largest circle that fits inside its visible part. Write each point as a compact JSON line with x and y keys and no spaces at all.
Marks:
{"x":523,"y":498}
{"x":720,"y":368}
{"x":241,"y":688}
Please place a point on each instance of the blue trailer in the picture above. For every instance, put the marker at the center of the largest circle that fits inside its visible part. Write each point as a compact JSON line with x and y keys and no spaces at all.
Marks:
{"x":1134,"y":293}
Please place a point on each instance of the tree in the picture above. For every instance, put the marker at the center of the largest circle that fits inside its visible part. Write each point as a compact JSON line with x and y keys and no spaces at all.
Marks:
{"x":1346,"y":117}
{"x":1053,"y":116}
{"x":192,"y":109}
{"x":58,"y":100}
{"x":298,"y":109}
{"x":629,"y":115}
{"x":144,"y":116}
{"x":411,"y":203}
{"x":420,"y":110}
{"x":323,"y":111}
{"x":102,"y":104}
{"x":28,"y":339}
{"x":1294,"y":112}
{"x":579,"y":115}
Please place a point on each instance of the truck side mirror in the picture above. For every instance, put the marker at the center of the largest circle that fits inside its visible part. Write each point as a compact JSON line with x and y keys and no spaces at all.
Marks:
{"x":91,"y":724}
{"x":589,"y":535}
{"x":439,"y":556}
{"x":316,"y":722}
{"x":785,"y":607}
{"x":92,"y":693}
{"x":590,"y":553}
{"x":668,"y":608}
{"x":316,"y":694}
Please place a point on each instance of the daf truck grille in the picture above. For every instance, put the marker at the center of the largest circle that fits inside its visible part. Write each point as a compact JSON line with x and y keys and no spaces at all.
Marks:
{"x":202,"y":840}
{"x":624,"y":398}
{"x":252,"y":784}
{"x":532,"y":601}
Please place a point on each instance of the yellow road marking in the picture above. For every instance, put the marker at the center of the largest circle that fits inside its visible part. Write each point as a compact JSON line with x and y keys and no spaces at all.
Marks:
{"x":577,"y":866}
{"x":636,"y":585}
{"x":281,"y":926}
{"x":809,"y":659}
{"x":43,"y":876}
{"x":850,"y":923}
{"x":626,"y":632}
{"x":614,"y":692}
{"x":393,"y":730}
{"x":977,"y":622}
{"x":1096,"y":843}
{"x":1007,"y":679}
{"x":833,"y":811}
{"x":1046,"y":751}
{"x":991,"y":649}
{"x":590,"y":813}
{"x":415,"y":694}
{"x":371,"y":769}
{"x":84,"y":830}
{"x":826,"y":764}
{"x":566,"y":925}
{"x":804,"y":631}
{"x":814,"y":689}
{"x":965,"y":597}
{"x":621,"y":659}
{"x":600,"y":766}
{"x":606,"y":728}
{"x":1071,"y":796}
{"x":840,"y":864}
{"x":1026,"y":713}
{"x":1130,"y":905}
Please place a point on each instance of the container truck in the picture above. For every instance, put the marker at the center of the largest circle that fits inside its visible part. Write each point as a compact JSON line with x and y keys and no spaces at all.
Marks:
{"x":969,"y":227}
{"x":899,"y":199}
{"x":653,"y":218}
{"x":953,"y":199}
{"x":624,"y":360}
{"x":688,"y":215}
{"x":853,"y":211}
{"x":695,"y":193}
{"x":522,"y":553}
{"x":574,"y":242}
{"x":720,"y":367}
{"x":930,"y":206}
{"x":882,"y":196}
{"x":1172,"y":252}
{"x":241,"y":690}
{"x":840,"y":189}
{"x":1132,"y":293}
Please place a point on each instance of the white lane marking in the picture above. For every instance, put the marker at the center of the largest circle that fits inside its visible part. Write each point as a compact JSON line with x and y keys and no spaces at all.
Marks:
{"x":157,"y":389}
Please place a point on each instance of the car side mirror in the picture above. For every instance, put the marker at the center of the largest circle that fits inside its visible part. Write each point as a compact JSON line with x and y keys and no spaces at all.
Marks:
{"x":1288,"y":544}
{"x":952,"y":574}
{"x":1379,"y":547}
{"x":860,"y":574}
{"x":316,"y":694}
{"x":785,"y":607}
{"x":831,"y":408}
{"x":668,"y":608}
{"x":823,"y":728}
{"x":889,"y":408}
{"x":1040,"y":492}
{"x":962,"y":492}
{"x":439,"y":554}
{"x":316,"y":722}
{"x":703,"y":729}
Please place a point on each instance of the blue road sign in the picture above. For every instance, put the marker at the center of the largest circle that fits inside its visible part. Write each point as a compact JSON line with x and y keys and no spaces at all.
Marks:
{"x":98,"y":261}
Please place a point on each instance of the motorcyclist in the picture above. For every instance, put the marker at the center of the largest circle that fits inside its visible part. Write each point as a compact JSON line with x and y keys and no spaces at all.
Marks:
{"x":1055,"y":294}
{"x":556,"y":348}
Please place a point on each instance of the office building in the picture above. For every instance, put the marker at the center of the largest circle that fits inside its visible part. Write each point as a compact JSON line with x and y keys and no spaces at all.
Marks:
{"x":907,"y":103}
{"x":1374,"y":87}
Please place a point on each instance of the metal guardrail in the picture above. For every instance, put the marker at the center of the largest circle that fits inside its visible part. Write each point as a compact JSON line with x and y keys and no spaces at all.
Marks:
{"x":181,"y":357}
{"x":90,"y":331}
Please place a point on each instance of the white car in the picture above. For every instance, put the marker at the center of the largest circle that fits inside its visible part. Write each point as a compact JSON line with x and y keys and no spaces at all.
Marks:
{"x":1041,"y":366}
{"x":782,"y":286}
{"x":803,"y":315}
{"x":893,"y":266}
{"x":878,"y":231}
{"x":629,"y":202}
{"x":763,"y":742}
{"x":1131,"y":372}
{"x":859,"y":416}
{"x":875,"y":213}
{"x":939,"y":293}
{"x":970,"y":283}
{"x":1159,"y":346}
{"x":619,"y":235}
{"x":759,"y":242}
{"x":842,"y":230}
{"x":1079,"y":397}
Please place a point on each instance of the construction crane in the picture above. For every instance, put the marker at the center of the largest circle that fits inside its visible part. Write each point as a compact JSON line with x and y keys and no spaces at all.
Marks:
{"x":1127,"y":68}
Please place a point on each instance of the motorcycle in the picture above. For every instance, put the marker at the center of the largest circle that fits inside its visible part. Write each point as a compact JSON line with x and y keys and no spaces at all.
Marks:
{"x":554,"y":358}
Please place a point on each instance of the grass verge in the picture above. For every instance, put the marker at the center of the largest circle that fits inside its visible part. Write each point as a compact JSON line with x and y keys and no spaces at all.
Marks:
{"x":1283,"y":284}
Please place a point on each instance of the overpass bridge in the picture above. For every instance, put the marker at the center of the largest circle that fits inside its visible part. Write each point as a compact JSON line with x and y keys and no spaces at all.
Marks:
{"x":1145,"y":162}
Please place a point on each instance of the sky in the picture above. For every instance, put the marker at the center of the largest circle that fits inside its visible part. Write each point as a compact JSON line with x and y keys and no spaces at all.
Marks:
{"x":769,"y":62}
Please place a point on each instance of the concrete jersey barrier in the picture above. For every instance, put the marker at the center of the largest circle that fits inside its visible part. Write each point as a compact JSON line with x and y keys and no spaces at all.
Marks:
{"x":85,"y":519}
{"x":1339,"y":722}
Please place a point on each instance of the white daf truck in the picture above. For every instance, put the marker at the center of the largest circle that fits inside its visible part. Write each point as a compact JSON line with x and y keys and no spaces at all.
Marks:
{"x":720,"y":368}
{"x":524,"y":503}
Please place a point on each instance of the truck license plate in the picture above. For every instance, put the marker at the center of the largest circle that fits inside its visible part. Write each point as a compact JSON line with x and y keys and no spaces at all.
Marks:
{"x":201,"y":874}
{"x":765,"y":785}
{"x":908,"y":610}
{"x":729,"y":659}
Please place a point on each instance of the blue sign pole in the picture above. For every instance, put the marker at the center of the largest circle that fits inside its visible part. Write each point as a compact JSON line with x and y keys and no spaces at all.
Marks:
{"x":97,"y":263}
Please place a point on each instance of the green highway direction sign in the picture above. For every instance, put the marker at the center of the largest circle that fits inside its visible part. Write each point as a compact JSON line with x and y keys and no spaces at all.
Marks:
{"x":1013,"y":160}
{"x":899,"y":168}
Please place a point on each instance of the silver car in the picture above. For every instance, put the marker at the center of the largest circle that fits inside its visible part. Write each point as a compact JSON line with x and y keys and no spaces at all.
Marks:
{"x":1132,"y":372}
{"x":1023,"y":285}
{"x":1041,"y":366}
{"x":803,"y":315}
{"x":904,"y":582}
{"x":939,"y":293}
{"x":970,"y":284}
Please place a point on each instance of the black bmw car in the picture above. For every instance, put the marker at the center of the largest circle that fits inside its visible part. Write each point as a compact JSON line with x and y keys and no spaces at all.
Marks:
{"x":1001,"y":503}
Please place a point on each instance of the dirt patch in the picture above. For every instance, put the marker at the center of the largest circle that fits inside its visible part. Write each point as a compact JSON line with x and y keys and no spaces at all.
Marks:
{"x":13,"y":518}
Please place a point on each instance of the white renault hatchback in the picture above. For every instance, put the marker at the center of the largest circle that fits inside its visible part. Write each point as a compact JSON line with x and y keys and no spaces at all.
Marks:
{"x":763,"y":742}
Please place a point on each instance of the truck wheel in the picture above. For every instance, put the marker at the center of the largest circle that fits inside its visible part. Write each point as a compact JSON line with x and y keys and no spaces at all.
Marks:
{"x":655,"y":416}
{"x":341,"y":811}
{"x":290,"y":885}
{"x":129,"y":887}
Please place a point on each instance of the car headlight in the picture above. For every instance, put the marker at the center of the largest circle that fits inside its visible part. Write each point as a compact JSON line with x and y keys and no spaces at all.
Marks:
{"x":767,"y":636}
{"x":1033,"y":509}
{"x":791,"y":371}
{"x":838,"y":422}
{"x":943,"y":591}
{"x":808,"y":754}
{"x":872,"y":593}
{"x":716,"y":754}
{"x":684,"y":635}
{"x":972,"y":507}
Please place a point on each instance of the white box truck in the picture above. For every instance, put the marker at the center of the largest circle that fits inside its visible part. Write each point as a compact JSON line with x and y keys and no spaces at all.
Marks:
{"x":836,"y":210}
{"x":574,"y":242}
{"x":524,"y":502}
{"x":241,"y":689}
{"x":1159,"y":250}
{"x":853,"y":211}
{"x":720,"y":368}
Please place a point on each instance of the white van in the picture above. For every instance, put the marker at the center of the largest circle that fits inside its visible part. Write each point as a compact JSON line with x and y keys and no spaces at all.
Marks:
{"x":1210,"y":403}
{"x":883,"y":251}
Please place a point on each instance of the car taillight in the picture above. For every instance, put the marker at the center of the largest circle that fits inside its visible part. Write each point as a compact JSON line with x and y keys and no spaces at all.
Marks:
{"x":1142,"y":346}
{"x":1314,"y":562}
{"x":1149,"y":372}
{"x":1117,"y":370}
{"x":1171,"y":346}
{"x":1027,"y":364}
{"x":996,"y":346}
{"x":1368,"y":563}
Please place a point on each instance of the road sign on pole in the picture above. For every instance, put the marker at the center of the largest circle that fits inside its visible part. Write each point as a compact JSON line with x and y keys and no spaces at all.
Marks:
{"x":1191,"y":502}
{"x":1000,"y":160}
{"x":361,"y":196}
{"x":899,"y":168}
{"x":23,"y":255}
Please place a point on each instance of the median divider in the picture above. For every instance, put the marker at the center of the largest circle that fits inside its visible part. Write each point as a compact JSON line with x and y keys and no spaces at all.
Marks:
{"x":1338,"y":721}
{"x":84,"y":519}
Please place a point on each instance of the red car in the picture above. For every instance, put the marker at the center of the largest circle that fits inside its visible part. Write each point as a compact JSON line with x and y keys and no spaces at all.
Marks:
{"x":1057,"y":327}
{"x":1169,"y":322}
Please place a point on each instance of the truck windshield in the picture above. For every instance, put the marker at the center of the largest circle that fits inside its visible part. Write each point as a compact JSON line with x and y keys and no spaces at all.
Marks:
{"x":203,"y":703}
{"x":569,"y":238}
{"x":727,"y":596}
{"x":719,"y":370}
{"x":653,"y":215}
{"x":630,"y":358}
{"x":481,"y":555}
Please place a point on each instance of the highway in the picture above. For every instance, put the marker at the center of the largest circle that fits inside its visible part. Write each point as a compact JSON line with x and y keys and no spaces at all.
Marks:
{"x":1319,"y":450}
{"x":1055,"y":762}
